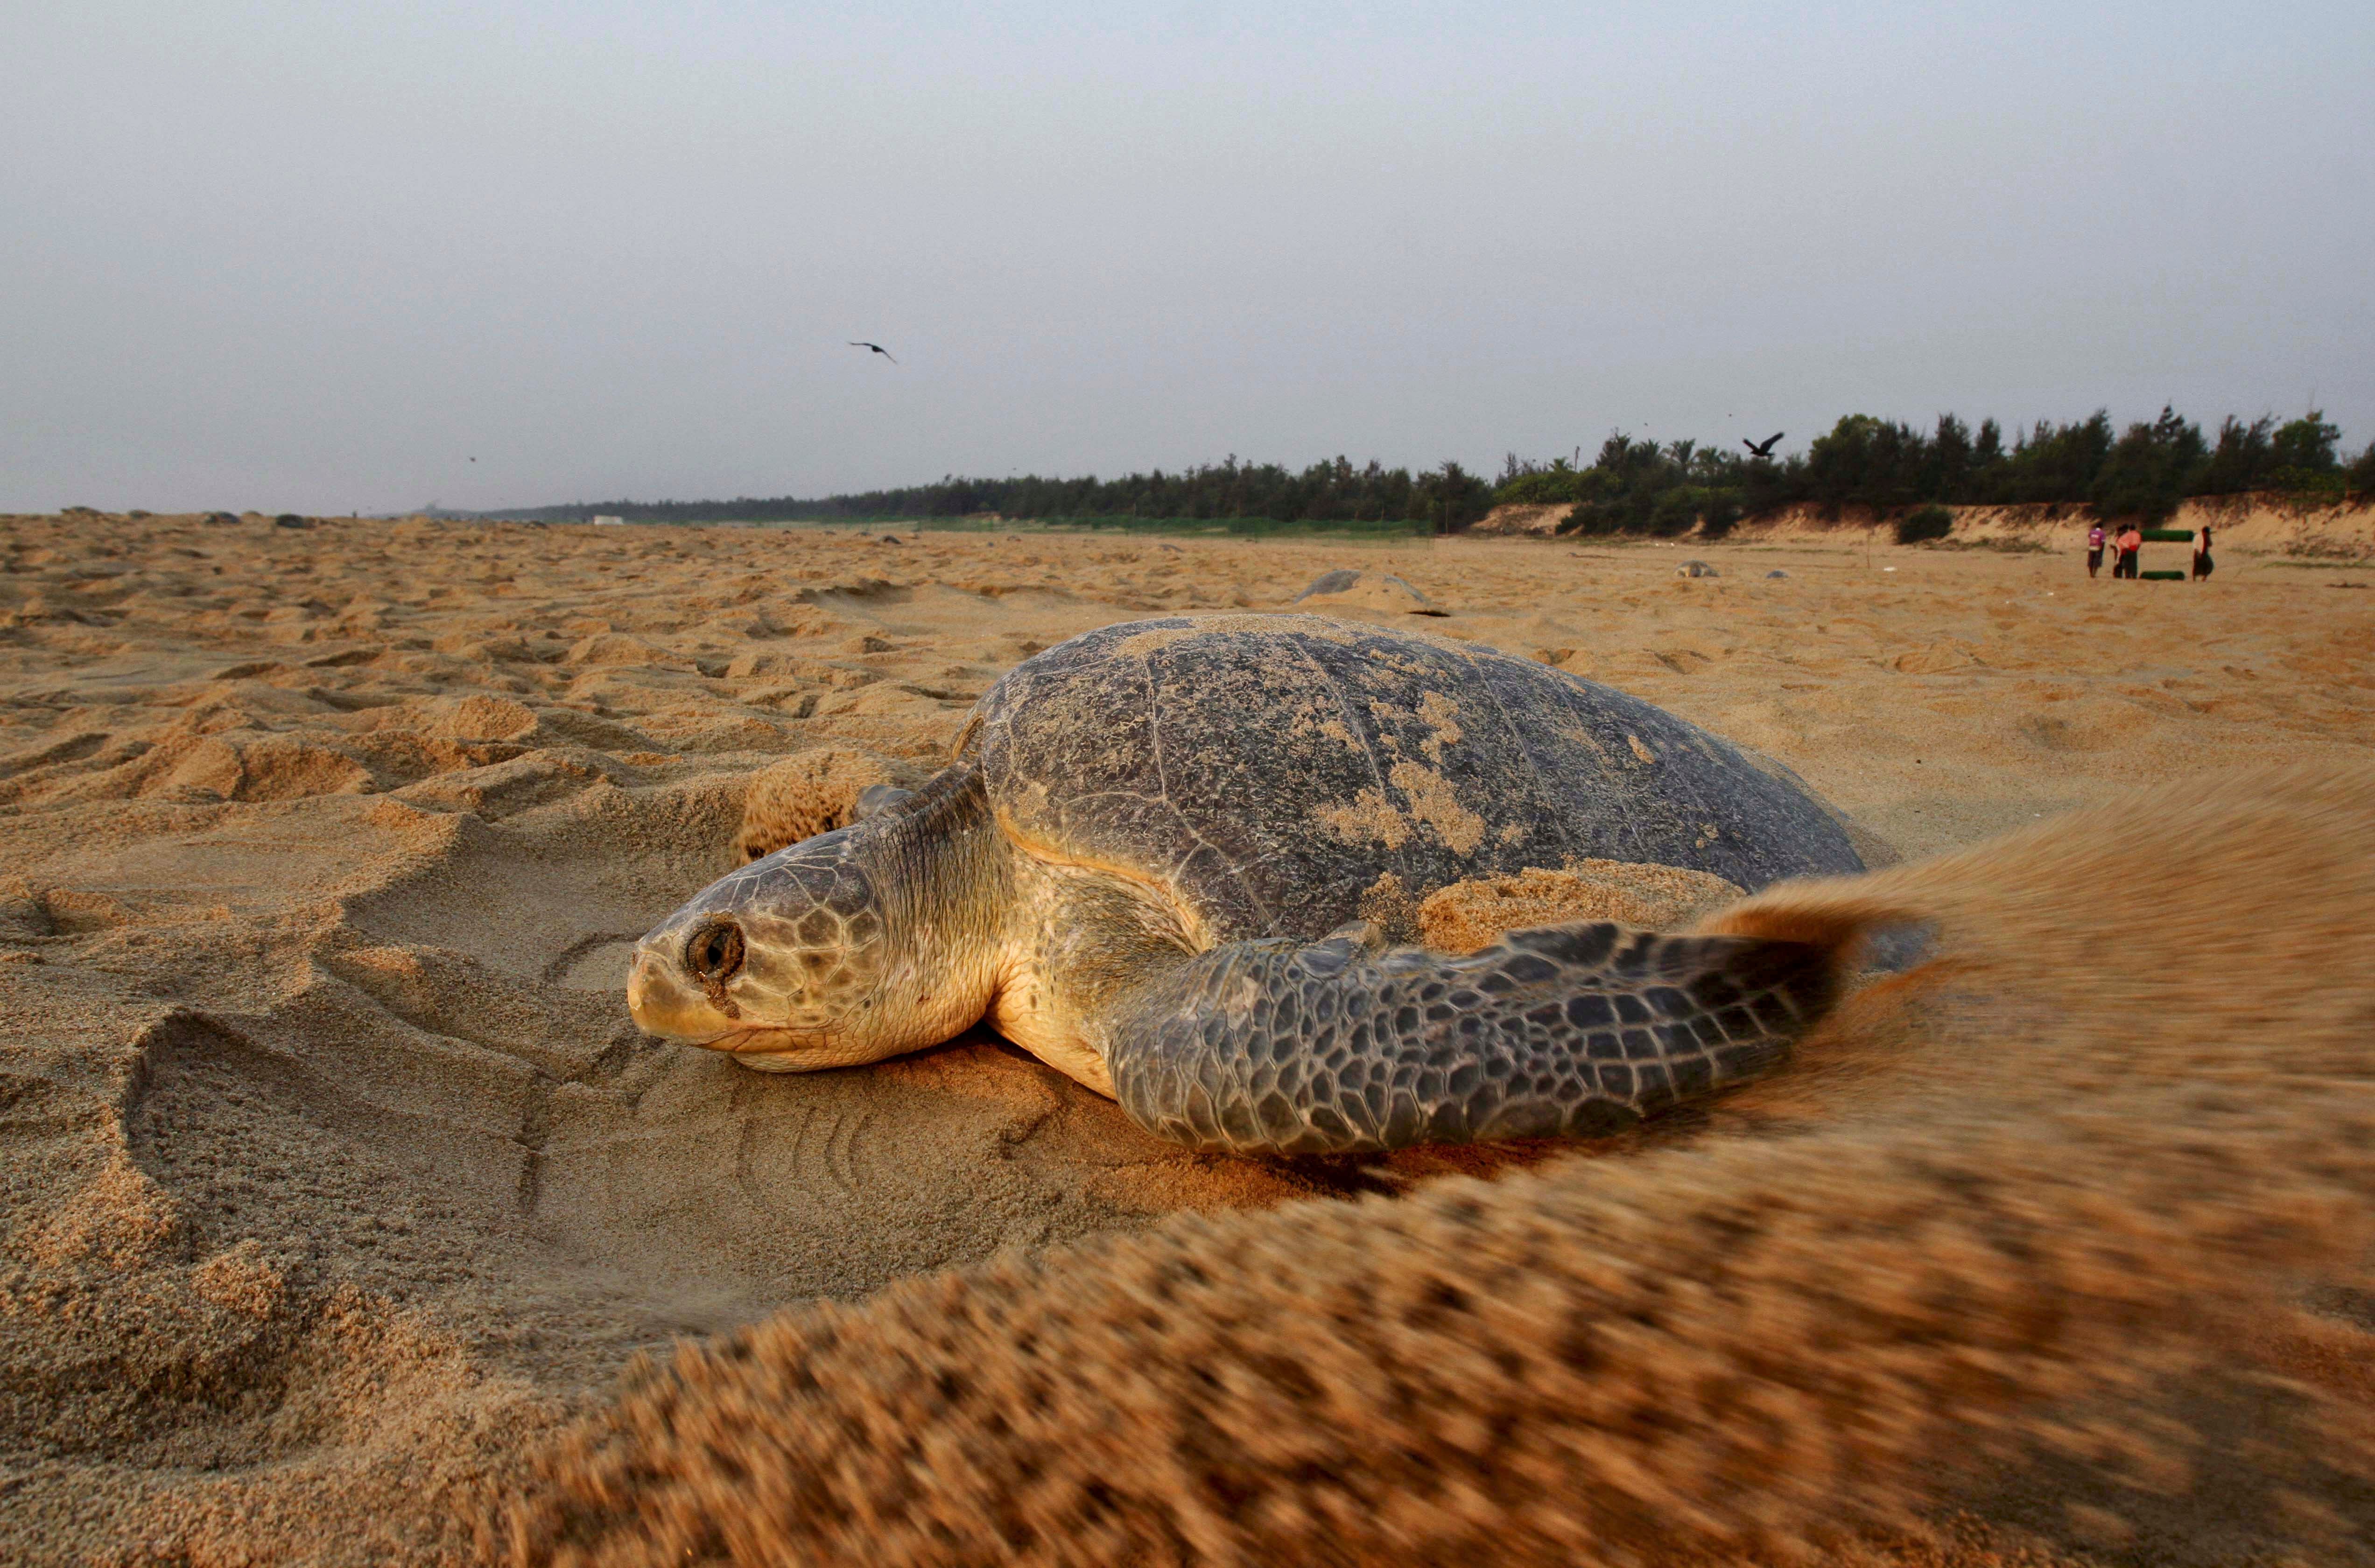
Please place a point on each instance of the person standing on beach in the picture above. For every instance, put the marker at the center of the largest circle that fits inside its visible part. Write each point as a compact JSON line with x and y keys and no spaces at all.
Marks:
{"x":2202,"y":564}
{"x":2094,"y":549}
{"x":2131,"y":539}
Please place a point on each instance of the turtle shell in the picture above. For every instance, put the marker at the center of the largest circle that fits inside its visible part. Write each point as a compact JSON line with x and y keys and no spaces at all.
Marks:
{"x":1273,"y":770}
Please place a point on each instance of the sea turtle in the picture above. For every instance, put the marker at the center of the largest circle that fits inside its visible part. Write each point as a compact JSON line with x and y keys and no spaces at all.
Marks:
{"x":1168,"y":856}
{"x":1345,"y":588}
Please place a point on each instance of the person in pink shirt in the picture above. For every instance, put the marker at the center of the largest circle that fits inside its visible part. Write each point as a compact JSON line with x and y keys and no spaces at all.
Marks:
{"x":2129,"y":541}
{"x":2094,"y":549}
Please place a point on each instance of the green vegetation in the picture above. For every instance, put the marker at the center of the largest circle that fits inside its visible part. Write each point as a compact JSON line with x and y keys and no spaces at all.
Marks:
{"x":1638,"y":486}
{"x":1631,"y":487}
{"x":1930,"y":522}
{"x":1334,"y":495}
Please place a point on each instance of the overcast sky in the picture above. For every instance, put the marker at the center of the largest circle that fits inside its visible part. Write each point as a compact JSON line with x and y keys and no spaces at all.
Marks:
{"x":318,"y":257}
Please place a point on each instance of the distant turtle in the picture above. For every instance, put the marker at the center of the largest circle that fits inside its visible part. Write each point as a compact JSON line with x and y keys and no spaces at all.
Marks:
{"x":1169,"y":854}
{"x":1345,"y":588}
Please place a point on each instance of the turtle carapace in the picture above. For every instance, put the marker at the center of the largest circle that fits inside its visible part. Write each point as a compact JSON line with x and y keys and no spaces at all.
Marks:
{"x":1165,"y":861}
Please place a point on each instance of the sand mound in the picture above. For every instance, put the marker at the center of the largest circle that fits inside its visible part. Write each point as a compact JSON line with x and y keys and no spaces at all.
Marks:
{"x":813,"y":793}
{"x":1537,"y":519}
{"x":2015,"y":1179}
{"x":1469,"y":916}
{"x":2338,"y":529}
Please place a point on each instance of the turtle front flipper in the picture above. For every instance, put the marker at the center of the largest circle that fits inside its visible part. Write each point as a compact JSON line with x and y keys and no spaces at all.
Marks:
{"x":1575,"y":1030}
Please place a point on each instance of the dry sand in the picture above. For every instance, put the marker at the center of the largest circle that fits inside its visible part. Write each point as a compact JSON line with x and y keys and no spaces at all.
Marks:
{"x":336,"y":1182}
{"x":2017,"y":1233}
{"x":2342,"y":530}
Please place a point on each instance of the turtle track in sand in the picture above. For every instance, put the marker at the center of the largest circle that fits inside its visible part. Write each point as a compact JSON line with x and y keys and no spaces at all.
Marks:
{"x":336,"y":829}
{"x":445,"y":1187}
{"x":333,"y":1162}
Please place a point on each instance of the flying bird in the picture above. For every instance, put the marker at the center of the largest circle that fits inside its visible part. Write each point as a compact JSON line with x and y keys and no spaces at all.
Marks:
{"x":876,"y":348}
{"x":1764,"y":448}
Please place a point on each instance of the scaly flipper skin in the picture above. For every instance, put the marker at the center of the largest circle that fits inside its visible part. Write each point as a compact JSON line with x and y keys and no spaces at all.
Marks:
{"x":1333,"y":1048}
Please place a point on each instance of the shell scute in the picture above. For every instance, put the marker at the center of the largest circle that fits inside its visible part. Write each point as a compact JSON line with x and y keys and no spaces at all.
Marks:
{"x":1265,"y":770}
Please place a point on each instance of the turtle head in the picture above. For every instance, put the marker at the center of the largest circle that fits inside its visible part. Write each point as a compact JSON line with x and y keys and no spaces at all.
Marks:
{"x":820,"y":955}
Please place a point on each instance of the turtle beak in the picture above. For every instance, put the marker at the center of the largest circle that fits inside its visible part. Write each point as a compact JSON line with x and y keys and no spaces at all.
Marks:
{"x":662,"y":1003}
{"x":666,"y":1003}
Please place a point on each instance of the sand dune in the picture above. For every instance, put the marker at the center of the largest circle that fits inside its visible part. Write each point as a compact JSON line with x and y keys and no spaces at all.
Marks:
{"x":2339,"y":530}
{"x":335,"y":1180}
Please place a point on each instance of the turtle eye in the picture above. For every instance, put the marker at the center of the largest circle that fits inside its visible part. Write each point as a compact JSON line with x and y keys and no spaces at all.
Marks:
{"x":714,"y":953}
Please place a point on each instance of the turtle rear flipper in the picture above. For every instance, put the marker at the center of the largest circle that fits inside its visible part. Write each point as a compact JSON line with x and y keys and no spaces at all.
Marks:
{"x":1573,"y":1030}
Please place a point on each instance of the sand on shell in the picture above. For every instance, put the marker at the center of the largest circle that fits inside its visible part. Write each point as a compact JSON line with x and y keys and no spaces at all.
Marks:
{"x":334,"y":1179}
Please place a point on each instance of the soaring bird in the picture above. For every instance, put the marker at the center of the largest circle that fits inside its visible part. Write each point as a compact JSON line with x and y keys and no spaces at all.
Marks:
{"x":1764,"y":448}
{"x":878,"y":348}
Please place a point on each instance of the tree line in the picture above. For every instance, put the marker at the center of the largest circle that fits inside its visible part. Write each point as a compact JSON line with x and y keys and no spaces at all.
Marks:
{"x":1635,"y":486}
{"x":1441,"y":500}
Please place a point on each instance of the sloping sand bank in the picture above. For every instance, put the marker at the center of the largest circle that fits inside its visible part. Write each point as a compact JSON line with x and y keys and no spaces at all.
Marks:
{"x":2019,"y":1205}
{"x":2267,"y":525}
{"x":332,"y":1182}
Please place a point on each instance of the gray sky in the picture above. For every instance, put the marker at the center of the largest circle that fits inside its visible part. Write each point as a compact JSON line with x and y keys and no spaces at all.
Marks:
{"x":316,"y":257}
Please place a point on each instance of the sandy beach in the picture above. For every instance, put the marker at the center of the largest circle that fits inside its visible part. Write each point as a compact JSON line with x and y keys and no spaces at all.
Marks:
{"x":339,"y":1186}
